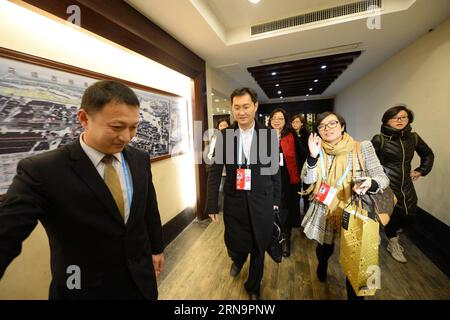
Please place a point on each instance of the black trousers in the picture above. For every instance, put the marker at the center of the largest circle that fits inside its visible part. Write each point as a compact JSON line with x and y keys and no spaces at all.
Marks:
{"x":256,"y":269}
{"x":323,"y":253}
{"x":399,"y":219}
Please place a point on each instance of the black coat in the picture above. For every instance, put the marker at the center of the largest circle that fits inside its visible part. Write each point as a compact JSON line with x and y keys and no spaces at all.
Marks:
{"x":63,"y":190}
{"x":395,"y":156}
{"x":247,"y":215}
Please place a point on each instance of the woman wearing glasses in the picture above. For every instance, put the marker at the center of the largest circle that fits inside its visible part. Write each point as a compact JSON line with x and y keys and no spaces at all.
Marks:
{"x":330,"y":165}
{"x":395,"y":147}
{"x":290,"y":175}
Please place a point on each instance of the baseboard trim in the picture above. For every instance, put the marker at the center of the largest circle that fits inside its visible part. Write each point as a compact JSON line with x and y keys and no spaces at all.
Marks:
{"x":177,"y":224}
{"x":432,"y":237}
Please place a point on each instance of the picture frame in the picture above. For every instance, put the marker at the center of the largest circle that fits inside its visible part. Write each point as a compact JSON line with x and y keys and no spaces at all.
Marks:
{"x":39,"y":99}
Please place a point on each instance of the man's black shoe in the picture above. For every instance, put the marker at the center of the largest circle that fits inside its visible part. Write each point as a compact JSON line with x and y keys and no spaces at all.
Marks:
{"x":235,"y":270}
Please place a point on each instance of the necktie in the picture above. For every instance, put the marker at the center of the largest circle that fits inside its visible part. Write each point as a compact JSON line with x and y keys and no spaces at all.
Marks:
{"x":113,"y":183}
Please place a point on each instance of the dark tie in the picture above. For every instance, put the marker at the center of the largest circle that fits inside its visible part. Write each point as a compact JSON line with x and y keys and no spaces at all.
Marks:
{"x":113,"y":183}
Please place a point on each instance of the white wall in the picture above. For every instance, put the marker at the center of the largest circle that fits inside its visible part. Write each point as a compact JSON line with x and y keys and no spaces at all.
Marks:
{"x":44,"y":36}
{"x":419,"y":76}
{"x":216,"y":81}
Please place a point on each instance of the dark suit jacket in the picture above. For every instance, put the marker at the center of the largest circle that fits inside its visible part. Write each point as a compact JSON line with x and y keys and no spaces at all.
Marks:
{"x":63,"y":190}
{"x":247,"y":215}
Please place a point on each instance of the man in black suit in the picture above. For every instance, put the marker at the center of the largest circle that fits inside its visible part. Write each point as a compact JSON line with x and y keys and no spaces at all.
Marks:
{"x":96,"y":200}
{"x":250,"y":152}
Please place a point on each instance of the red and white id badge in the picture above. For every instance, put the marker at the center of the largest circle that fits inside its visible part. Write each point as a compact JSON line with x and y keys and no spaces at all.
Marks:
{"x":243,"y":179}
{"x":326,"y":194}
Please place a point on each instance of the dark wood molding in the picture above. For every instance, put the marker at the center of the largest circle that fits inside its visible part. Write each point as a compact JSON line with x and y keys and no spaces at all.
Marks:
{"x":118,"y":22}
{"x":177,"y":224}
{"x":432,"y":237}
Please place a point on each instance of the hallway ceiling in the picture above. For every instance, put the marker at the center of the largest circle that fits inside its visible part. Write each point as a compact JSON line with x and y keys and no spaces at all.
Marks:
{"x":220,"y":32}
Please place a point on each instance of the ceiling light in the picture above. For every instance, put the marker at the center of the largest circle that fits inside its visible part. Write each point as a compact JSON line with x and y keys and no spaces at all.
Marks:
{"x":274,"y":73}
{"x":310,"y":89}
{"x":212,"y":93}
{"x":217,"y":100}
{"x":323,"y":67}
{"x":254,"y":1}
{"x":307,"y":95}
{"x":277,"y":85}
{"x":316,"y":80}
{"x":281,"y":97}
{"x":279,"y":92}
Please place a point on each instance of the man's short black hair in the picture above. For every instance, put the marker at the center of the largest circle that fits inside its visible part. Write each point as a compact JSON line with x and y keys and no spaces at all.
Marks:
{"x":243,"y":91}
{"x":103,"y":92}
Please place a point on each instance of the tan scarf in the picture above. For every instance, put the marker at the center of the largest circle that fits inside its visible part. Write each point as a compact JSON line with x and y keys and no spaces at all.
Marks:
{"x":343,"y":197}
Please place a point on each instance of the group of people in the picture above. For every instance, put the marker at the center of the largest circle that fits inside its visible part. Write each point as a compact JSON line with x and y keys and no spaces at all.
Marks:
{"x":96,"y":200}
{"x":321,"y":159}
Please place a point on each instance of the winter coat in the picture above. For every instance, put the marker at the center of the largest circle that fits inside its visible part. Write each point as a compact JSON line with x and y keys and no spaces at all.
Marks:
{"x":395,"y":149}
{"x":247,"y":215}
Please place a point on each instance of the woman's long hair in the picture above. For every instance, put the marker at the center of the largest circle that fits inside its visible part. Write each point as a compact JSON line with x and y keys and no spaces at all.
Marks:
{"x":287,"y":124}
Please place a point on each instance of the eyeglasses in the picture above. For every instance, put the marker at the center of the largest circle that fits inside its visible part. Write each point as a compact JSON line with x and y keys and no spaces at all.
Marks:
{"x":403,"y":118}
{"x":329,"y":125}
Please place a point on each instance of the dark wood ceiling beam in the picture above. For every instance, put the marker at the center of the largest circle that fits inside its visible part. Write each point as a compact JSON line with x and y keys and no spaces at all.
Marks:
{"x":304,"y":71}
{"x":344,"y":57}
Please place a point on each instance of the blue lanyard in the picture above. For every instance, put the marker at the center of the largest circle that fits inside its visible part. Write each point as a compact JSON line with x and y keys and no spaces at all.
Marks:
{"x":324,"y":176}
{"x":241,"y":150}
{"x":128,"y":184}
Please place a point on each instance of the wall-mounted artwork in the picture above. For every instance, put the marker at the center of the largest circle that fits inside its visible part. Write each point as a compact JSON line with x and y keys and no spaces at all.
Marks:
{"x":39,"y":100}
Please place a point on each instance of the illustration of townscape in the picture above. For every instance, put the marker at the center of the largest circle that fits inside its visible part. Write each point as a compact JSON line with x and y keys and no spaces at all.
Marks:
{"x":38,"y":108}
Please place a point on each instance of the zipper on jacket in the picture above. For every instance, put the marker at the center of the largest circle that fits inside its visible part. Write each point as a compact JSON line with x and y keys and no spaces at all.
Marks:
{"x":403,"y":175}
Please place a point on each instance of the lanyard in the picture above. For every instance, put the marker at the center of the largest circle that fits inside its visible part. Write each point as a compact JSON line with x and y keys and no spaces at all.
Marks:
{"x":241,"y":150}
{"x":128,"y":184}
{"x":324,"y":176}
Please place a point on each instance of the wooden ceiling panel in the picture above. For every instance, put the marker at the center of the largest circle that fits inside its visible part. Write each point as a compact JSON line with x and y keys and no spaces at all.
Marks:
{"x":295,"y":78}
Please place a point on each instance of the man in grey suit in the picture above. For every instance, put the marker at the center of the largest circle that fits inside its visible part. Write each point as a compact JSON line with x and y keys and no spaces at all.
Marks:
{"x":97,"y":203}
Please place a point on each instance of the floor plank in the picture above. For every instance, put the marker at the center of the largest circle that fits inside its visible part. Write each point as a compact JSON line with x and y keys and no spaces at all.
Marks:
{"x":197,"y":268}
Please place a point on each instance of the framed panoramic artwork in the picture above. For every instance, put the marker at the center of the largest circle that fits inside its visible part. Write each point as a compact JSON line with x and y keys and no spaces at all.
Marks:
{"x":39,"y":100}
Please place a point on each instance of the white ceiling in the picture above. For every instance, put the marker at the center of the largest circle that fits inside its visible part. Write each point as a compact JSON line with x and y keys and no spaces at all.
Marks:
{"x":219,"y":32}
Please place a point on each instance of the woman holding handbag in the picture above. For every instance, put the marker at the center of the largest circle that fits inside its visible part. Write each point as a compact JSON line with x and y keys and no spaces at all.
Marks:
{"x":290,"y":176}
{"x":327,"y":169}
{"x":395,"y":147}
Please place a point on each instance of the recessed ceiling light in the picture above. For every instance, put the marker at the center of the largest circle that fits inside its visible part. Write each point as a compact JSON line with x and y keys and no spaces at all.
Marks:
{"x":274,"y":73}
{"x":279,"y":92}
{"x":254,"y":1}
{"x":323,"y":67}
{"x":217,"y":100}
{"x":277,"y":85}
{"x":316,"y":80}
{"x":310,"y":89}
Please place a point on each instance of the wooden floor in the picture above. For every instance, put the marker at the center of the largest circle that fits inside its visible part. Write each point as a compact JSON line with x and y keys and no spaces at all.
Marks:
{"x":197,"y":267}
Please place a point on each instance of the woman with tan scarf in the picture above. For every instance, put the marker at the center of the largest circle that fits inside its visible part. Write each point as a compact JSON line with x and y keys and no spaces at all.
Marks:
{"x":330,"y":164}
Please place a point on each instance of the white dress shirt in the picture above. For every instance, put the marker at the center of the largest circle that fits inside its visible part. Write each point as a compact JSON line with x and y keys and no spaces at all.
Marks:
{"x":247,"y":136}
{"x":96,"y":159}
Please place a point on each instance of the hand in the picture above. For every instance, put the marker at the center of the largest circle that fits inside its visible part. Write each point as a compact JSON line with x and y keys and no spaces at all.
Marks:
{"x":214,"y":217}
{"x":158,"y":263}
{"x":415,"y":175}
{"x":314,"y":144}
{"x":363,"y":187}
